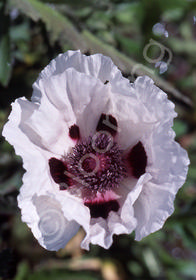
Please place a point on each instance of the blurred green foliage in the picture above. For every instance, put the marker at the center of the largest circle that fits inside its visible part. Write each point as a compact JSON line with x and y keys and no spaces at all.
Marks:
{"x":32,"y":32}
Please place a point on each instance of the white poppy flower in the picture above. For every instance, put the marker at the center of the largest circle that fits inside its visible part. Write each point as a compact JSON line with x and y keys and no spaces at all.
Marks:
{"x":98,"y":151}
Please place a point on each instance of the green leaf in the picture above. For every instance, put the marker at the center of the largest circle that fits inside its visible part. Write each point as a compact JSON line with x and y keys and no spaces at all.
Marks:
{"x":187,"y":268}
{"x":179,"y":127}
{"x":5,"y":54}
{"x":77,"y":3}
{"x":130,"y":46}
{"x":135,"y":268}
{"x":129,"y":13}
{"x":151,"y":262}
{"x":58,"y":26}
{"x":172,"y":5}
{"x":99,"y":20}
{"x":182,"y":46}
{"x":173,"y":15}
{"x":22,"y":271}
{"x":192,"y":172}
{"x":20,"y":32}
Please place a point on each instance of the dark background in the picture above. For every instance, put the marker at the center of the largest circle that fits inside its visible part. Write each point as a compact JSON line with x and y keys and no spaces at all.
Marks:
{"x":33,"y":32}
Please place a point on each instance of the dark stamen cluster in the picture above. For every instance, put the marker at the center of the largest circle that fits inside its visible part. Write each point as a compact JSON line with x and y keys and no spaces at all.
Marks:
{"x":96,"y":164}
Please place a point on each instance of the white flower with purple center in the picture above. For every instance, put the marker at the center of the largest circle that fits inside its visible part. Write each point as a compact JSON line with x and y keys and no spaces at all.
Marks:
{"x":99,"y":152}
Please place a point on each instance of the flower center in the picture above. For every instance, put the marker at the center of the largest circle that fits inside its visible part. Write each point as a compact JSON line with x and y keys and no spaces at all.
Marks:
{"x":96,"y":164}
{"x":95,"y":167}
{"x":89,"y":164}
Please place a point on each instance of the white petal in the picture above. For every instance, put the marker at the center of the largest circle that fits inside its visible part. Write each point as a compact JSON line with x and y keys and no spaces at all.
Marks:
{"x":167,"y":160}
{"x":133,"y":118}
{"x":68,"y":98}
{"x":168,"y":166}
{"x":152,"y":208}
{"x":133,"y":196}
{"x":15,"y":132}
{"x":154,"y":100}
{"x":73,"y":208}
{"x":101,"y":230}
{"x":145,"y":108}
{"x":50,"y":124}
{"x":48,"y":223}
{"x":38,"y":194}
{"x":37,"y":179}
{"x":98,"y":66}
{"x":76,"y":99}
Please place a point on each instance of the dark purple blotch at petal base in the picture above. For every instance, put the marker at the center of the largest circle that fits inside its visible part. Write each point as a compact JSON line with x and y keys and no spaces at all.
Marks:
{"x":137,"y":160}
{"x":74,"y":132}
{"x":57,"y":171}
{"x":107,"y":123}
{"x":102,"y":209}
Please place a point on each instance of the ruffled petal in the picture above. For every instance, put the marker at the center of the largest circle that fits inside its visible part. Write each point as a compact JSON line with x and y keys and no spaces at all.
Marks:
{"x":40,"y":194}
{"x":159,"y":108}
{"x":152,"y":208}
{"x":27,"y":145}
{"x":37,"y":181}
{"x":146,"y":108}
{"x":97,"y":65}
{"x":70,"y":97}
{"x":168,"y":160}
{"x":101,"y":230}
{"x":48,"y":223}
{"x":132,"y":124}
{"x":168,"y":166}
{"x":147,"y":116}
{"x":74,"y":209}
